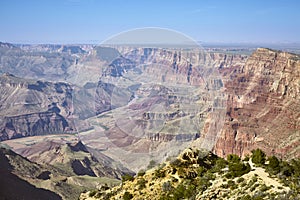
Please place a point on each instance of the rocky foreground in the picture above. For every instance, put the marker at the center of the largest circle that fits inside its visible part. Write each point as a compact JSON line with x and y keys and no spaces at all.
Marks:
{"x":199,"y":174}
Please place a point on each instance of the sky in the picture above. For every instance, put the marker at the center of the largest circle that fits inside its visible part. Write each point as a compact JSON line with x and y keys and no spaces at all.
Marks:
{"x":92,"y":21}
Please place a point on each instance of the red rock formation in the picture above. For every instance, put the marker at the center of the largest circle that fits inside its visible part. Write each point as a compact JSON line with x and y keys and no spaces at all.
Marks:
{"x":263,"y":106}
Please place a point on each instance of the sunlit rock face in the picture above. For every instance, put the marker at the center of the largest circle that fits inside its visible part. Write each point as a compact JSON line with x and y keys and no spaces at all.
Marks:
{"x":155,"y":101}
{"x":263,"y":105}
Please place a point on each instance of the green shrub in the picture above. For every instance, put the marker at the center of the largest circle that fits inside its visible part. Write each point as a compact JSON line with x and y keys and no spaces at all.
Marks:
{"x":179,"y":192}
{"x":247,"y":158}
{"x":190,"y":191}
{"x":159,"y":173}
{"x":209,"y":176}
{"x":264,"y":188}
{"x":295,"y":164}
{"x":92,"y":193}
{"x":254,"y":178}
{"x":252,"y":188}
{"x":166,"y":186}
{"x":176,"y":163}
{"x":203,"y":184}
{"x":273,"y":166}
{"x":237,"y":169}
{"x":230,"y":182}
{"x":225,"y":186}
{"x":241,"y":179}
{"x":246,"y":197}
{"x":141,"y":173}
{"x":151,"y":164}
{"x":127,"y":177}
{"x":127,"y":196}
{"x":243,"y":184}
{"x":258,"y":157}
{"x":181,"y":172}
{"x":141,"y":182}
{"x":200,"y":171}
{"x":286,"y":169}
{"x":228,"y":175}
{"x":184,"y":190}
{"x":219,"y":165}
{"x":233,"y":158}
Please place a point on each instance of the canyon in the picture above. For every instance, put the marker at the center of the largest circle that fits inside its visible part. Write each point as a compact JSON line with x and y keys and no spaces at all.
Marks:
{"x":93,"y":110}
{"x":257,"y":96}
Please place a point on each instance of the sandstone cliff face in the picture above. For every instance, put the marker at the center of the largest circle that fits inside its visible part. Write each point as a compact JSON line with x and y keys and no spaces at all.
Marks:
{"x":33,"y":124}
{"x":197,"y":56}
{"x":29,"y":107}
{"x":154,"y":101}
{"x":180,"y":66}
{"x":263,"y":106}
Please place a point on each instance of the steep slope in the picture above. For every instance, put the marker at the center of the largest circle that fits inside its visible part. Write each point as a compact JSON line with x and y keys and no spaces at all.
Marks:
{"x":263,"y":106}
{"x":13,"y":187}
{"x":29,"y":107}
{"x":68,"y":154}
{"x":62,"y":164}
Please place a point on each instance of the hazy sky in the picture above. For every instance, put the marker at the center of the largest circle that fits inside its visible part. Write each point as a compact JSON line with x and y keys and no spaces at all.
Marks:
{"x":91,"y":21}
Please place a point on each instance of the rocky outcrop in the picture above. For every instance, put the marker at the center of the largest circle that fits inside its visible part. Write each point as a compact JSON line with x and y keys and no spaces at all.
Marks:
{"x":178,"y":58}
{"x":119,"y":66}
{"x":107,"y":54}
{"x":61,"y":164}
{"x":200,"y":174}
{"x":109,"y":96}
{"x":33,"y":124}
{"x":72,"y":157}
{"x":263,"y":105}
{"x":29,"y":107}
{"x":72,"y":49}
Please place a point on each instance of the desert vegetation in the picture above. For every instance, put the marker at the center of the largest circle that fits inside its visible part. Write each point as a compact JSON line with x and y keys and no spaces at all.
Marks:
{"x":197,"y":174}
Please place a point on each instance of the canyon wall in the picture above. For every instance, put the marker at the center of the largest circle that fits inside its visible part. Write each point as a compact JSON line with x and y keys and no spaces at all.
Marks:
{"x":29,"y":107}
{"x":263,"y":105}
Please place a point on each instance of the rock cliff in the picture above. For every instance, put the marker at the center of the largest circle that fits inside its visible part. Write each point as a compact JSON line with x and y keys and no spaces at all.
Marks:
{"x":263,"y":105}
{"x":29,"y":107}
{"x":151,"y":98}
